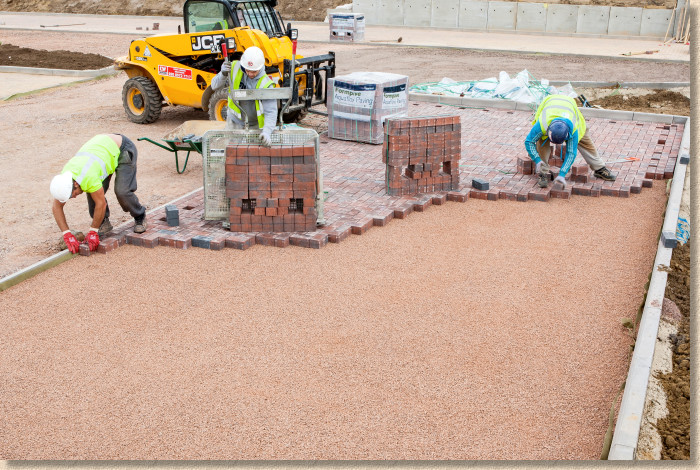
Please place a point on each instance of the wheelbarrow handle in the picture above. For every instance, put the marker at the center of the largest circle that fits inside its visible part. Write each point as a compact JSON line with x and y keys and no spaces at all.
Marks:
{"x":156,"y":143}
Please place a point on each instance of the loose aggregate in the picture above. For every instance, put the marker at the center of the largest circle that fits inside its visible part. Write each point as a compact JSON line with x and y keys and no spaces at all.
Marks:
{"x":474,"y":330}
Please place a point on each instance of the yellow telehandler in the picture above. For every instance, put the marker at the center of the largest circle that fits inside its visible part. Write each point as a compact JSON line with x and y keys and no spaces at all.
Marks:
{"x":178,"y":69}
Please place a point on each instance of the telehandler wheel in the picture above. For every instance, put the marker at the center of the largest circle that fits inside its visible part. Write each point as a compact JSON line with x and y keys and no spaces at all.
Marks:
{"x":142,"y":100}
{"x":218,"y":105}
{"x":295,"y":116}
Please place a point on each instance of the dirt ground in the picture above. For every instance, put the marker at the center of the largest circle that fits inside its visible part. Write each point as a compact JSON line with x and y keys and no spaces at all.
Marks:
{"x":77,"y":112}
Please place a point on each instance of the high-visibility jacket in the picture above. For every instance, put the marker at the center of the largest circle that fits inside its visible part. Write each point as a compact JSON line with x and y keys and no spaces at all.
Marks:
{"x":95,"y":160}
{"x":560,"y":107}
{"x":263,"y":82}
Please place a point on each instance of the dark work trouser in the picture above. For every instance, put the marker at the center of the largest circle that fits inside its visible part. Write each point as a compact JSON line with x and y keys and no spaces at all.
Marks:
{"x":124,"y":183}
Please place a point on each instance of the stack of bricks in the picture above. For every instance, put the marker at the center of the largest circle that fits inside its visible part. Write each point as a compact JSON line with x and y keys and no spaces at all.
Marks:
{"x":346,"y":27}
{"x":271,"y":189}
{"x":359,"y":103}
{"x":422,"y":154}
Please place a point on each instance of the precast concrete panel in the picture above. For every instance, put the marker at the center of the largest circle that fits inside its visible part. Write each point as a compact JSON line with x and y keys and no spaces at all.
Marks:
{"x":368,"y":8}
{"x":655,"y":23}
{"x":390,"y":12}
{"x":473,"y":14}
{"x":531,"y":17}
{"x":592,"y":19}
{"x":625,"y":21}
{"x":416,"y":12}
{"x":502,"y":16}
{"x":562,"y":18}
{"x":444,"y":14}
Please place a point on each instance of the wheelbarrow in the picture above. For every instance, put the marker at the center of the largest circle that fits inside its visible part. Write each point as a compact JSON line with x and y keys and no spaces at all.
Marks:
{"x":187,"y":137}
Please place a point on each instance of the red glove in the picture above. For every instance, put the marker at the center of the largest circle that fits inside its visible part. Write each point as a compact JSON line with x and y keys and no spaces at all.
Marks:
{"x":71,"y":242}
{"x":93,"y":239}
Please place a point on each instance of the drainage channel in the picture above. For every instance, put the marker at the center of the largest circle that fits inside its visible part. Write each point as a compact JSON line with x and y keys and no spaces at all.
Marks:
{"x":628,"y":425}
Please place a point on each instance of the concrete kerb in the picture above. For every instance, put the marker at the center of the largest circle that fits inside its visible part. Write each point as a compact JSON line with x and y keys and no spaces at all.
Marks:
{"x":66,"y":73}
{"x":629,"y":419}
{"x":65,"y":255}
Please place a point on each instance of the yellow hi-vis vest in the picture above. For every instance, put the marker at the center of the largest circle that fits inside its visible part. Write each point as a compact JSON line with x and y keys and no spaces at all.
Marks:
{"x":560,"y":107}
{"x":236,"y":77}
{"x":95,"y":161}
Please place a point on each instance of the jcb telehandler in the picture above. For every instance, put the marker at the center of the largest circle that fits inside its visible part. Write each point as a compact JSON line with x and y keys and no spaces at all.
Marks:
{"x":178,"y":69}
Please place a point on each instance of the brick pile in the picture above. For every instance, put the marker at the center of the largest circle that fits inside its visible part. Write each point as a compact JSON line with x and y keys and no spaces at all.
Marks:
{"x":422,"y":154}
{"x":346,"y":27}
{"x":359,"y":103}
{"x":272,"y":189}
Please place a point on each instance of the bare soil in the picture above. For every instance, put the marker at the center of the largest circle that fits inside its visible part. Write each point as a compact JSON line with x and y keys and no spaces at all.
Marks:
{"x":59,"y":59}
{"x":675,"y":428}
{"x":658,"y":101}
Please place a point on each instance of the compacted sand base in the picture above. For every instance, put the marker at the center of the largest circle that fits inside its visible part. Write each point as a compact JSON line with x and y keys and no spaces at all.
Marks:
{"x":477,"y":330}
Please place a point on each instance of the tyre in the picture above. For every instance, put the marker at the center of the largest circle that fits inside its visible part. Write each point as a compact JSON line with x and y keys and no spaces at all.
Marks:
{"x":142,"y":100}
{"x":218,"y":105}
{"x":295,"y":116}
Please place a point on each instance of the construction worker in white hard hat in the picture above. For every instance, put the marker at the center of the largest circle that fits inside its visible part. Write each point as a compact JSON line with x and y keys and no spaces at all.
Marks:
{"x":90,"y":172}
{"x":559,"y":120}
{"x":248,"y":73}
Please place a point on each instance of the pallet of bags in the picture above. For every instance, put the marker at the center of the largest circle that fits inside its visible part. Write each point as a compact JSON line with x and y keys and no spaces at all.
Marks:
{"x":347,"y":27}
{"x":359,"y":103}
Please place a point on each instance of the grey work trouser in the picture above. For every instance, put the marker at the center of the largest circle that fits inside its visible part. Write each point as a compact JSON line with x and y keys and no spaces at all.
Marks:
{"x":124,"y":183}
{"x":585,"y":148}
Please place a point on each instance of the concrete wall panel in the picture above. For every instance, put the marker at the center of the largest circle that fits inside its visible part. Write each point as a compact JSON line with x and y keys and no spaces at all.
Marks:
{"x":593,"y":19}
{"x":562,"y":18}
{"x":444,"y":14}
{"x":473,"y":15}
{"x":625,"y":21}
{"x":390,"y":12}
{"x":655,"y":23}
{"x":416,"y":12}
{"x":531,"y":17}
{"x":502,"y":16}
{"x":370,"y":8}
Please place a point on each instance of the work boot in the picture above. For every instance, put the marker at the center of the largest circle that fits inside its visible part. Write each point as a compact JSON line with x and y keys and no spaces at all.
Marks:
{"x":105,"y":227}
{"x":542,"y":179}
{"x":140,"y":225}
{"x":604,"y":173}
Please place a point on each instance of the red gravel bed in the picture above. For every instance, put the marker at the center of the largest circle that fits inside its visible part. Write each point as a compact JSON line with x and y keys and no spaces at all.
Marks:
{"x":480,"y":330}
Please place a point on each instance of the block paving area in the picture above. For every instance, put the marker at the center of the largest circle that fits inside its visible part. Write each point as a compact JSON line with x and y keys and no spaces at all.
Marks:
{"x":492,"y":150}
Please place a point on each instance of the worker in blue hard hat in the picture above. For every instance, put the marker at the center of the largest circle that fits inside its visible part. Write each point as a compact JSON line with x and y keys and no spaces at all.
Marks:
{"x":558,"y":120}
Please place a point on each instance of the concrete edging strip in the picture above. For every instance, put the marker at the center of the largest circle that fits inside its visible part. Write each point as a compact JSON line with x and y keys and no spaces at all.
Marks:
{"x":65,"y":255}
{"x":629,"y":419}
{"x":62,"y":72}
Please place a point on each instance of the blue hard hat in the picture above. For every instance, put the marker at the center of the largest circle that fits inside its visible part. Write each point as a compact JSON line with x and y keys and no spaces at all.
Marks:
{"x":558,"y":131}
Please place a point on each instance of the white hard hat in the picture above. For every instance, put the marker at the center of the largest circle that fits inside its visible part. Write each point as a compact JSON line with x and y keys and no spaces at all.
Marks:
{"x":253,"y":59}
{"x":62,"y":186}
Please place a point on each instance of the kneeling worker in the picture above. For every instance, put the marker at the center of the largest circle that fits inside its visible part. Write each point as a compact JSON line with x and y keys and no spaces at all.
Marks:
{"x":559,"y":120}
{"x":248,"y":73}
{"x":90,"y":171}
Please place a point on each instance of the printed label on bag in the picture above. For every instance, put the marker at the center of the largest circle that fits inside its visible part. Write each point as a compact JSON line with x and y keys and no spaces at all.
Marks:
{"x":357,"y":96}
{"x":395,"y":97}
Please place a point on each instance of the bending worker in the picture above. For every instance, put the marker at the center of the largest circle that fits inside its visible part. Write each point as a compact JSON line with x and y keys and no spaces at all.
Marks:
{"x":90,"y":171}
{"x":559,"y":120}
{"x":248,"y":73}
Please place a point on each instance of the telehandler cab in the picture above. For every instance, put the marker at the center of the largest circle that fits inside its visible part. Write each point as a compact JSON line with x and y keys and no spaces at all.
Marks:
{"x":178,"y":69}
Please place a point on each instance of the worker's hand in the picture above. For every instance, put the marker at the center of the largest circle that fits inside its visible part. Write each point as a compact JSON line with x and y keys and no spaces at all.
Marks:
{"x":265,"y":138}
{"x":560,"y":179}
{"x":72,"y":243}
{"x":537,"y":167}
{"x":226,"y":66}
{"x":93,"y":239}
